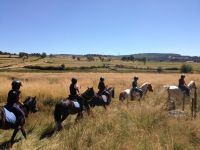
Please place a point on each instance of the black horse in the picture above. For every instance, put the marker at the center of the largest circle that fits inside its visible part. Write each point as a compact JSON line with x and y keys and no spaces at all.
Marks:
{"x":29,"y":106}
{"x":65,"y":107}
{"x":103,"y":99}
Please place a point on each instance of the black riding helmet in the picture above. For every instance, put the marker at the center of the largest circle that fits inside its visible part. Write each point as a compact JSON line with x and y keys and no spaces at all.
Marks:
{"x":16,"y":84}
{"x":135,"y":78}
{"x":74,"y":80}
{"x":101,"y":78}
{"x":182,"y":76}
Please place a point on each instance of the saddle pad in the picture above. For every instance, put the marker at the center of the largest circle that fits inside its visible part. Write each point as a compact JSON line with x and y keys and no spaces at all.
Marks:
{"x":127,"y":91}
{"x":76,"y":104}
{"x":173,"y":87}
{"x":10,"y":117}
{"x":104,"y":97}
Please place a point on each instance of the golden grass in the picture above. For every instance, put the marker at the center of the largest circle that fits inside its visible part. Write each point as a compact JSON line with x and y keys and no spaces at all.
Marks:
{"x":122,"y":126}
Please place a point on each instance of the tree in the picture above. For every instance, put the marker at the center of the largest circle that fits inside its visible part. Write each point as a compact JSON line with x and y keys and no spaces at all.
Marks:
{"x":186,"y":68}
{"x":43,"y":55}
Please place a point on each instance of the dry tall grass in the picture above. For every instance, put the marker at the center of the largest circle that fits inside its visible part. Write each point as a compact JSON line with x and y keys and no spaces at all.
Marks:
{"x":122,"y":126}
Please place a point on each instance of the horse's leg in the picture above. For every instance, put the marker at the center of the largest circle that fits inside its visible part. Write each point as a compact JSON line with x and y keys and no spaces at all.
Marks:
{"x":64,"y":116}
{"x":23,"y":132}
{"x":13,"y":136}
{"x":58,"y":126}
{"x":183,"y":107}
{"x":79,"y":116}
{"x":104,"y":107}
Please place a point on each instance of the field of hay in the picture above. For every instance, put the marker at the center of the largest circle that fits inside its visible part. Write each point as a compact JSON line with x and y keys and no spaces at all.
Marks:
{"x":131,"y":125}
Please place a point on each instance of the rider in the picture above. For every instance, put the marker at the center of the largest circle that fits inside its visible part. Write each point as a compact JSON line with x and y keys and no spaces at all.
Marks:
{"x":75,"y":94}
{"x":182,"y":85}
{"x":101,"y":86}
{"x":13,"y":103}
{"x":135,"y":88}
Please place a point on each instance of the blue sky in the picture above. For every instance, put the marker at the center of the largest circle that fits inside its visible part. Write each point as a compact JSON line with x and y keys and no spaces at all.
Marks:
{"x":100,"y":26}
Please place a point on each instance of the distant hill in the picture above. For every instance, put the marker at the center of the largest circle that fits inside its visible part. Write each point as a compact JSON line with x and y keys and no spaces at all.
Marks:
{"x":164,"y":57}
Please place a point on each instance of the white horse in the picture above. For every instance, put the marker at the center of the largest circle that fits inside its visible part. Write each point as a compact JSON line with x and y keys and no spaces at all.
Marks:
{"x":174,"y":91}
{"x":126,"y":94}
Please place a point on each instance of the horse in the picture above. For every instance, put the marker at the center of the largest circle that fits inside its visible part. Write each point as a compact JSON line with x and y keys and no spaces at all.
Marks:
{"x":173,"y":91}
{"x":65,"y":107}
{"x":126,"y":94}
{"x":103,"y":99}
{"x":29,"y":105}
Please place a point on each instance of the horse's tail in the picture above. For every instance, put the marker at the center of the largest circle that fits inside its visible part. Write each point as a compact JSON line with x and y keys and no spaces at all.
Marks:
{"x":113,"y":93}
{"x":121,"y":96}
{"x":57,"y":112}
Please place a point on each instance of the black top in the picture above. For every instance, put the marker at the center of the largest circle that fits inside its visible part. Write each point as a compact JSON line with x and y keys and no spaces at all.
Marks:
{"x":181,"y":82}
{"x":13,"y":97}
{"x":101,"y":86}
{"x":134,"y":84}
{"x":73,"y":90}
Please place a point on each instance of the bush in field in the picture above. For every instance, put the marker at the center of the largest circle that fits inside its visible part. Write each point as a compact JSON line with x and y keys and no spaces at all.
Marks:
{"x":186,"y":68}
{"x":159,"y":69}
{"x":90,"y":58}
{"x":62,"y":66}
{"x":43,"y":55}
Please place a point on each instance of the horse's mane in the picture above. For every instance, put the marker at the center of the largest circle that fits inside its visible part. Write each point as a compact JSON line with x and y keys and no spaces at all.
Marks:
{"x":146,"y":83}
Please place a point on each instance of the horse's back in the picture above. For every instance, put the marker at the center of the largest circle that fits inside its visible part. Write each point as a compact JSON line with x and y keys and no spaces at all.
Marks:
{"x":127,"y":91}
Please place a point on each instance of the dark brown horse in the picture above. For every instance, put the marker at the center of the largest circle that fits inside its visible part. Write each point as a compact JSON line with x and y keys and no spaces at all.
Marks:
{"x":104,"y":99}
{"x":65,"y":107}
{"x":29,"y":106}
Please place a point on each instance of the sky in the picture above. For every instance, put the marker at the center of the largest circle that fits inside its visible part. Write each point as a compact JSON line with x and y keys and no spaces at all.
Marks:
{"x":114,"y":27}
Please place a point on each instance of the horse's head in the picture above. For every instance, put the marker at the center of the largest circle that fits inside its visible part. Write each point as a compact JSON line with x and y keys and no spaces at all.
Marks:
{"x":30,"y":104}
{"x":111,"y":90}
{"x":89,"y":92}
{"x":192,"y":84}
{"x":150,"y":88}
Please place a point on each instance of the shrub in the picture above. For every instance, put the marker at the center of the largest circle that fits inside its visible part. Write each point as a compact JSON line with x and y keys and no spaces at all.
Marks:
{"x":159,"y":69}
{"x":186,"y":68}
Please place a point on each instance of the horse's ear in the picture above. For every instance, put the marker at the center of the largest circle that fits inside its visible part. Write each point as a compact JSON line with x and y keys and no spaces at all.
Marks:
{"x":34,"y":97}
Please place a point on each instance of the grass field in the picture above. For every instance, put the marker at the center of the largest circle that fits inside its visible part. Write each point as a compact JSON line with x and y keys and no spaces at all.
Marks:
{"x":15,"y":63}
{"x":123,"y":126}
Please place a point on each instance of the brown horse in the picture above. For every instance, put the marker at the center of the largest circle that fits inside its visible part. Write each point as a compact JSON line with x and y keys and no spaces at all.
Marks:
{"x":104,"y":99}
{"x":29,"y":106}
{"x":65,"y":107}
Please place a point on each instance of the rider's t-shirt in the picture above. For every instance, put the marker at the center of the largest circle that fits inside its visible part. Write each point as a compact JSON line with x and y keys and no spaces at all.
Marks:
{"x":181,"y":82}
{"x":134,"y":84}
{"x":13,"y":97}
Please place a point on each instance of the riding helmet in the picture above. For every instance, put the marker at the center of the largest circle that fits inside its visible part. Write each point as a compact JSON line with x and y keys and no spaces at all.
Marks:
{"x":182,"y":76}
{"x":16,"y":83}
{"x":74,"y":80}
{"x":135,"y":78}
{"x":102,"y":78}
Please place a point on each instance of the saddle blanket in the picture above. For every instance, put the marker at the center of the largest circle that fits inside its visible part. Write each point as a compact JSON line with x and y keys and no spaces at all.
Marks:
{"x":127,"y":91}
{"x":173,"y":87}
{"x":76,"y":104}
{"x":104,"y":97}
{"x":10,"y":117}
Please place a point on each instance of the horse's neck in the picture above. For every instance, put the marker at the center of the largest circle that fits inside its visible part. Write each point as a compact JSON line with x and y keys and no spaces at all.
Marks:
{"x":25,"y":110}
{"x":144,"y":87}
{"x":191,"y":85}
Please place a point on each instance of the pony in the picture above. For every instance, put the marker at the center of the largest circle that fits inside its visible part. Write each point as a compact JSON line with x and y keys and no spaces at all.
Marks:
{"x":65,"y":107}
{"x":29,"y":105}
{"x":174,"y":91}
{"x":126,"y":94}
{"x":104,"y":99}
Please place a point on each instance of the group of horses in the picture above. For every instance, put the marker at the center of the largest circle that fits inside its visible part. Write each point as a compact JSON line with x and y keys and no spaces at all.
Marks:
{"x":62,"y":109}
{"x":66,"y":107}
